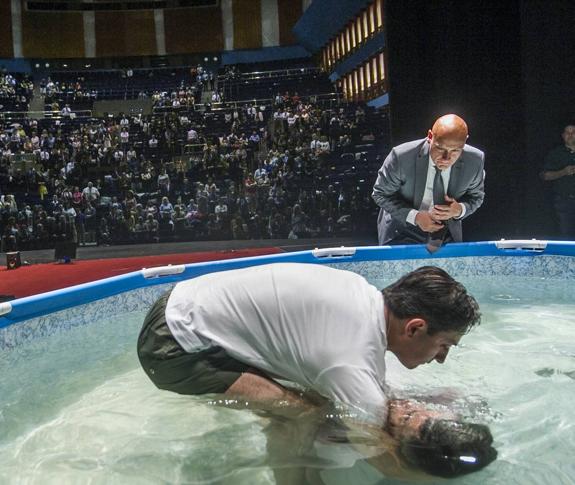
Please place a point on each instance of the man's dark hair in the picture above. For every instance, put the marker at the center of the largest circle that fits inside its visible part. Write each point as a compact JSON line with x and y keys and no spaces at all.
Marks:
{"x":431,"y":294}
{"x":448,"y":448}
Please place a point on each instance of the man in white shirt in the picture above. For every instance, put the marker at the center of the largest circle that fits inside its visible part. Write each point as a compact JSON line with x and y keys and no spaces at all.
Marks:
{"x":292,"y":119}
{"x":221,"y":211}
{"x":90,"y":193}
{"x":315,"y":143}
{"x":118,"y":155}
{"x":260,"y":175}
{"x":417,"y":173}
{"x":327,"y":330}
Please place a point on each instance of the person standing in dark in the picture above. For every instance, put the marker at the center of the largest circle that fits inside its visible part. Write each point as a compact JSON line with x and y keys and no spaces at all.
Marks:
{"x":559,"y":169}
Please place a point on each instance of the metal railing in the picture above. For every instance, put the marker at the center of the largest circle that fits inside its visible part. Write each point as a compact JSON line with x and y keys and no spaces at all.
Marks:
{"x":201,"y":107}
{"x":53,"y":115}
{"x":269,"y":74}
{"x":224,"y":105}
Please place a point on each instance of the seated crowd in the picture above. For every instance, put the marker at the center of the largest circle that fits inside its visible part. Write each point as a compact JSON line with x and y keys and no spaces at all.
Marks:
{"x":15,"y":91}
{"x":166,"y":87}
{"x":293,"y":169}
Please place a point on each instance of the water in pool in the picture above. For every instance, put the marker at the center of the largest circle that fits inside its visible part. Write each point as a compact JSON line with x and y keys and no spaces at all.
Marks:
{"x":76,"y":408}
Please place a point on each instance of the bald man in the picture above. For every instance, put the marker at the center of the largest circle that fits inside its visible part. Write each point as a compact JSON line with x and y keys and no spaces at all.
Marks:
{"x":426,"y":187}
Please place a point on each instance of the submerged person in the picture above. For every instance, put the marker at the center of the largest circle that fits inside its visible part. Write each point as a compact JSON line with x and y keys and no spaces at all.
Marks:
{"x":327,"y":330}
{"x":327,"y":447}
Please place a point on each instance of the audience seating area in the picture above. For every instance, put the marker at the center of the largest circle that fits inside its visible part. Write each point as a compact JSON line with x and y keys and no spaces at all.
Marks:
{"x":291,"y":165}
{"x":79,"y":89}
{"x":15,"y":92}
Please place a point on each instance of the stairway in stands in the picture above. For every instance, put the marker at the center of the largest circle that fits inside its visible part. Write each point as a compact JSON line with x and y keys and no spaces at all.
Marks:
{"x":206,"y":96}
{"x":37,"y":103}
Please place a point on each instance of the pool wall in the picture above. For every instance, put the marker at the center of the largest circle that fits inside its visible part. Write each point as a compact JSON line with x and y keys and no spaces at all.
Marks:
{"x":47,"y":313}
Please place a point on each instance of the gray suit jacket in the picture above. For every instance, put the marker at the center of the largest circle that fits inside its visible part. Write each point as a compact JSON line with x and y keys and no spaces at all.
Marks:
{"x":401,"y":181}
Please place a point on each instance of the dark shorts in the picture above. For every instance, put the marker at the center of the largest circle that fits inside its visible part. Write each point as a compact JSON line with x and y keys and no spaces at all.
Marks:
{"x":171,"y":368}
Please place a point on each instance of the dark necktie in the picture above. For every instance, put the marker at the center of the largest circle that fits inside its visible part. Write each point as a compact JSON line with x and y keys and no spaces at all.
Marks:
{"x":435,"y":239}
{"x":438,"y":188}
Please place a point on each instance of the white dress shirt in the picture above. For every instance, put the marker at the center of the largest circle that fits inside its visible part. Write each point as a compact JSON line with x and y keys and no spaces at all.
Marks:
{"x":317,"y":326}
{"x":427,"y":202}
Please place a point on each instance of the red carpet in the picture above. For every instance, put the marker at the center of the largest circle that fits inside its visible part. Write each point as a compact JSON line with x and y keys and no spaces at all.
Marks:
{"x":39,"y":278}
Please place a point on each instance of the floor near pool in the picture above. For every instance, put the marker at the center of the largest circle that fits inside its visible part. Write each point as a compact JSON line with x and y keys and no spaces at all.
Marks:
{"x":40,"y":273}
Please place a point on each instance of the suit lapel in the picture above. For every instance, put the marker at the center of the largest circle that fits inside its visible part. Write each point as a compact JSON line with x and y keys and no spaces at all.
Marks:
{"x":421,"y":165}
{"x":454,"y":178}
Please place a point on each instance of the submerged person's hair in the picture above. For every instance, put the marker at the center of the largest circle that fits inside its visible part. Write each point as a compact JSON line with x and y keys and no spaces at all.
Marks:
{"x":433,"y":295}
{"x":448,"y":448}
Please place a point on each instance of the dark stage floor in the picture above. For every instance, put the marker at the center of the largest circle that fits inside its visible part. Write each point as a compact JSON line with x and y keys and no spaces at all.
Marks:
{"x":139,"y":250}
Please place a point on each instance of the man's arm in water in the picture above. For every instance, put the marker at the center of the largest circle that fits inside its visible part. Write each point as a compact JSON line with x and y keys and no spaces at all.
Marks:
{"x":430,"y":441}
